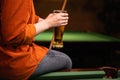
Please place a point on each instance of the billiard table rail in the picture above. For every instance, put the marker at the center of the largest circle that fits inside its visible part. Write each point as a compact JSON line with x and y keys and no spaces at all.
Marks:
{"x":81,"y":74}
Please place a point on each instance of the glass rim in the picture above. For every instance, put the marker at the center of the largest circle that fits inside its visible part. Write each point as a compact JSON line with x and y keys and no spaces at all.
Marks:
{"x":59,"y":11}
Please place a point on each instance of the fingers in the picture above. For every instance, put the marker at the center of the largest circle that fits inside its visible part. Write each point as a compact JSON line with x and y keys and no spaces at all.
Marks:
{"x":63,"y":17}
{"x":64,"y":14}
{"x":63,"y":24}
{"x":57,"y":19}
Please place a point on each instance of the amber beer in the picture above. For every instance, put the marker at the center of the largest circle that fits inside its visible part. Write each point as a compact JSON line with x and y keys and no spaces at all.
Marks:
{"x":58,"y":33}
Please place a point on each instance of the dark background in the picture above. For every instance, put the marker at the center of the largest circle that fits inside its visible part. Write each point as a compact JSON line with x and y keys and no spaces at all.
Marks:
{"x":100,"y":16}
{"x":91,"y":54}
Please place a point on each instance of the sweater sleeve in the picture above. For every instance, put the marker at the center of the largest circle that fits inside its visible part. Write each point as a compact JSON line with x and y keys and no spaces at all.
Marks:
{"x":17,"y":23}
{"x":36,"y":18}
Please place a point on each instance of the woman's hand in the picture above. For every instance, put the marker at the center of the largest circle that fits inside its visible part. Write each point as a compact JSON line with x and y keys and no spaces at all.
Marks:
{"x":52,"y":20}
{"x":57,"y":19}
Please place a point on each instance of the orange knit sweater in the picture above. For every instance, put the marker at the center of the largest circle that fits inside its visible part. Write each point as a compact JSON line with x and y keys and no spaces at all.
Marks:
{"x":19,"y":55}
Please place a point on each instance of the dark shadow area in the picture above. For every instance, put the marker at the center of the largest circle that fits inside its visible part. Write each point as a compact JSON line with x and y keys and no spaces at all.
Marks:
{"x":91,"y":54}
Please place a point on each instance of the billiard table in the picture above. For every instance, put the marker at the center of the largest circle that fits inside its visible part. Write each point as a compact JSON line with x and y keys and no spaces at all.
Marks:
{"x":86,"y":49}
{"x":75,"y":42}
{"x":93,"y":74}
{"x":76,"y":36}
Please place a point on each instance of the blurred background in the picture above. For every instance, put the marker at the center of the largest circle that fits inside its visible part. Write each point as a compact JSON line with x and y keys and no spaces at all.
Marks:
{"x":102,"y":16}
{"x":98,"y":16}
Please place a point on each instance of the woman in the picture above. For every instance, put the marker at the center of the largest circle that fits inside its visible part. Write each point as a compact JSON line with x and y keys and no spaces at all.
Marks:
{"x":20,"y":57}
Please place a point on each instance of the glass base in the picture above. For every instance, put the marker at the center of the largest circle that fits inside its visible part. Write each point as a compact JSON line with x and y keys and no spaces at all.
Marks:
{"x":57,"y":45}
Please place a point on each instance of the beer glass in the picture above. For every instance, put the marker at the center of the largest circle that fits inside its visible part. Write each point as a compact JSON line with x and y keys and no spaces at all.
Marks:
{"x":58,"y":33}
